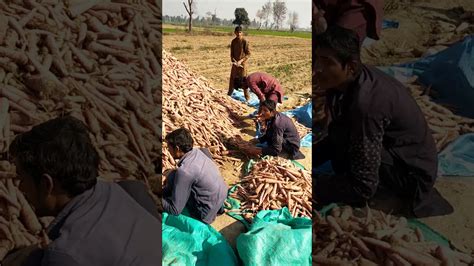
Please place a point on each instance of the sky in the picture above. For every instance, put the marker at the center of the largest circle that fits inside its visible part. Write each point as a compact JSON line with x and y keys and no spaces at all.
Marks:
{"x":226,"y":8}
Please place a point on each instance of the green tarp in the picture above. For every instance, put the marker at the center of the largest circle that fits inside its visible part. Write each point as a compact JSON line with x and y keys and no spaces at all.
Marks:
{"x":187,"y":241}
{"x":276,"y":238}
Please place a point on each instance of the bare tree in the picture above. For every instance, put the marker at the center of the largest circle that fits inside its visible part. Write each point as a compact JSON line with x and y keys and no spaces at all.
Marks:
{"x":190,"y":8}
{"x":260,"y":17}
{"x":279,"y":12}
{"x":267,"y":10}
{"x":293,"y":20}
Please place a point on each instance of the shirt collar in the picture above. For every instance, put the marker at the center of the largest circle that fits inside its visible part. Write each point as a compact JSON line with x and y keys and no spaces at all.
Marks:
{"x":55,"y":226}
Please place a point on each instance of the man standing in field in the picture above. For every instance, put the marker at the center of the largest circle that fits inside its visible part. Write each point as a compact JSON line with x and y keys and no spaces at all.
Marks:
{"x":239,"y":54}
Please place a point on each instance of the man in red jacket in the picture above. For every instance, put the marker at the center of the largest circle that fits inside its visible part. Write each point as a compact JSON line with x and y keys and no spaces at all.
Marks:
{"x":264,"y":86}
{"x":362,"y":16}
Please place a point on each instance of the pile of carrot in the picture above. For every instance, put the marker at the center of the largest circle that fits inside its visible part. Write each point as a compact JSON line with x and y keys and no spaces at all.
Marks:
{"x":444,"y":124}
{"x":190,"y":101}
{"x":99,"y":61}
{"x":19,"y":226}
{"x":272,"y":184}
{"x":350,"y":236}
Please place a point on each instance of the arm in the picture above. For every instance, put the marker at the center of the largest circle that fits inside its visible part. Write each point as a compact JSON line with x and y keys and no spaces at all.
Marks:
{"x":365,"y":153}
{"x":254,"y":87}
{"x":180,"y":191}
{"x":246,"y":52}
{"x":232,"y":56}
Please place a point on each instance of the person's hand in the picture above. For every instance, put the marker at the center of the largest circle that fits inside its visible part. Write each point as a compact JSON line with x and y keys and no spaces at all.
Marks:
{"x":254,"y":152}
{"x":240,"y":62}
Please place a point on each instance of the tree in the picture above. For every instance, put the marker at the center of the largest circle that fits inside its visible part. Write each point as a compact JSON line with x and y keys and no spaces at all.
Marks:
{"x":293,"y":20}
{"x":279,"y":12}
{"x":260,"y":15}
{"x":267,"y":10}
{"x":190,"y":8}
{"x":241,"y":17}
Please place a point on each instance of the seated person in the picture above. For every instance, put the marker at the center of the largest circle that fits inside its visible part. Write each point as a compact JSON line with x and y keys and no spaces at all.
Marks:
{"x":196,"y":184}
{"x":281,"y":135}
{"x":378,"y":136}
{"x":97,"y":222}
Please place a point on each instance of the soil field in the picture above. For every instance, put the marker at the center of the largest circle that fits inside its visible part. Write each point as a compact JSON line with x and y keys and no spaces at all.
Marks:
{"x":286,"y":58}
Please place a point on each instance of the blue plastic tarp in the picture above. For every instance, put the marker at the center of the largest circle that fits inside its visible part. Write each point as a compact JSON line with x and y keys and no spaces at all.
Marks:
{"x":302,"y":114}
{"x":253,"y":102}
{"x":451,"y":74}
{"x":239,"y":95}
{"x":457,"y":159}
{"x":390,"y":24}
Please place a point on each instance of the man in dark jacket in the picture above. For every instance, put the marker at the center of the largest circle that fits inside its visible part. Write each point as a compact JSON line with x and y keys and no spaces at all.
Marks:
{"x":378,"y":136}
{"x":96,"y":222}
{"x":196,"y":184}
{"x":281,"y":136}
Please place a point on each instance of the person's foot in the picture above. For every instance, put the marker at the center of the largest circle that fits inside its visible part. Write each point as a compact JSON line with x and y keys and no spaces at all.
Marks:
{"x":230,"y":91}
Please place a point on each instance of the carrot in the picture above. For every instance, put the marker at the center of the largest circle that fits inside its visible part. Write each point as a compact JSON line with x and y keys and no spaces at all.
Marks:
{"x":366,"y":252}
{"x":100,"y":48}
{"x":17,"y":27}
{"x":82,"y":58}
{"x":318,"y":260}
{"x":376,"y":243}
{"x":14,"y":55}
{"x":27,"y":215}
{"x":334,"y":225}
{"x":3,"y":28}
{"x":20,"y":129}
{"x":398,"y":260}
{"x":137,"y":133}
{"x":415,"y":257}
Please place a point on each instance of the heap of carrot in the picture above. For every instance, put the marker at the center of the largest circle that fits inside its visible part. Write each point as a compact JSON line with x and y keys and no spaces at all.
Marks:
{"x":350,"y":236}
{"x":190,"y":101}
{"x":272,"y":184}
{"x":98,"y":61}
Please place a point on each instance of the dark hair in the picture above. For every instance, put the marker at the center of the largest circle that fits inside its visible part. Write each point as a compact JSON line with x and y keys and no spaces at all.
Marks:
{"x":61,"y":148}
{"x":237,"y":29}
{"x":343,"y":41}
{"x":180,"y":138}
{"x":269,"y":104}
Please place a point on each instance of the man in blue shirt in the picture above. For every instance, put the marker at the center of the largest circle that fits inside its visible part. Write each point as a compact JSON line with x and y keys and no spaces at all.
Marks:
{"x":281,"y":135}
{"x":196,"y":184}
{"x":96,"y":222}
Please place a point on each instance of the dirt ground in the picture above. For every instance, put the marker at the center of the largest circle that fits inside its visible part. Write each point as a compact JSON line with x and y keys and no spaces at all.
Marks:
{"x":425,"y":24}
{"x":286,"y":58}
